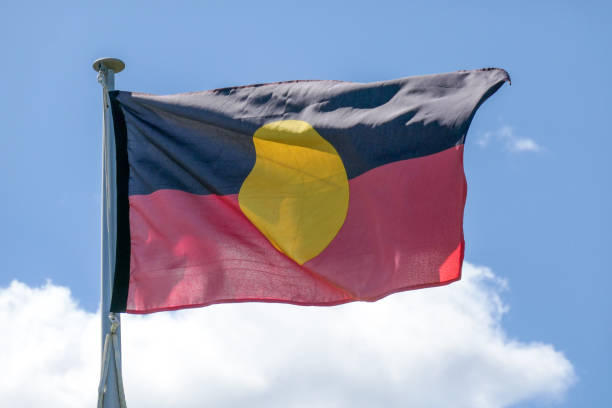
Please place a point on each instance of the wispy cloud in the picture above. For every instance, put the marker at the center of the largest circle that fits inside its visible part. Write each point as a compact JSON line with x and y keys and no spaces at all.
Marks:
{"x":439,"y":347}
{"x":509,"y":140}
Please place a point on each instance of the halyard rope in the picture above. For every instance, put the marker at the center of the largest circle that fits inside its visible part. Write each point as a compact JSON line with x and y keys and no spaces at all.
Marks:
{"x":111,"y":338}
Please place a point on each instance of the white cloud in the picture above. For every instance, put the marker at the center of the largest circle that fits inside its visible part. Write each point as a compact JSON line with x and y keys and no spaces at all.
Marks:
{"x":507,"y":137}
{"x":429,"y":348}
{"x":524,"y":145}
{"x":48,"y":348}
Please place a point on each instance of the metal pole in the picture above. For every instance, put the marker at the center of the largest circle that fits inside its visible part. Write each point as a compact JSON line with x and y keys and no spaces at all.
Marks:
{"x":106,"y":68}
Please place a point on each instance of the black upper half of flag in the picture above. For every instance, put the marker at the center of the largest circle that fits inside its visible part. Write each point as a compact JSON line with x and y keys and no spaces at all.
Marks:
{"x":202,"y":142}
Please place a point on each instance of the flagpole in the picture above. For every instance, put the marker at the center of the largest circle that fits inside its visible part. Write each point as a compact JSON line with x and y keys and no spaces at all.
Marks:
{"x":110,"y":393}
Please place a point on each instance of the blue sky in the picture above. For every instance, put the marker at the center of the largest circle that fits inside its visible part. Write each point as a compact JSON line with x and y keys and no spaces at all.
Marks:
{"x":537,"y":154}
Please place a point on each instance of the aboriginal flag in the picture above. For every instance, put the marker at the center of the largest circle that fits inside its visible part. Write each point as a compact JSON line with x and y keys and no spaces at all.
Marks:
{"x":304,"y":192}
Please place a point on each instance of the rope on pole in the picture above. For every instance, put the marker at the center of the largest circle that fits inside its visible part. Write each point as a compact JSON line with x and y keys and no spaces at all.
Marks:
{"x":106,"y":360}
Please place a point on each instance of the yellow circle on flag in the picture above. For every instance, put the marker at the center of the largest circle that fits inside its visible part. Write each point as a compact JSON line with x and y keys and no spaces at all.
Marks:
{"x":297,"y":193}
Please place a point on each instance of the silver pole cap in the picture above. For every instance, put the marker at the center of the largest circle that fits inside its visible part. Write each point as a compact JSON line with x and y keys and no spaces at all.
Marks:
{"x":110,"y":63}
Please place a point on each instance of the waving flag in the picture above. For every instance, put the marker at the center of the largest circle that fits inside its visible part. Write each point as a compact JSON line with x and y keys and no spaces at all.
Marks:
{"x":305,"y":192}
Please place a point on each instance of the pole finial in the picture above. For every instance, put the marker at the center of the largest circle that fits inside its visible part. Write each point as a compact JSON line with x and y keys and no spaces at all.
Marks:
{"x":114,"y":64}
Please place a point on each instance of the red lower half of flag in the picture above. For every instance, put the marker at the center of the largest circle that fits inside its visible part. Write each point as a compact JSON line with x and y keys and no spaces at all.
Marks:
{"x":403,"y":230}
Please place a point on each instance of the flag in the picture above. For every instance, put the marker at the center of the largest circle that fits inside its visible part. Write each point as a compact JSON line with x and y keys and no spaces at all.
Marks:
{"x":302,"y":192}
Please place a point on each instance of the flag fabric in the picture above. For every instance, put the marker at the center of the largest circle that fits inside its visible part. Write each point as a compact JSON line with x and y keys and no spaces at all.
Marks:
{"x":302,"y":192}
